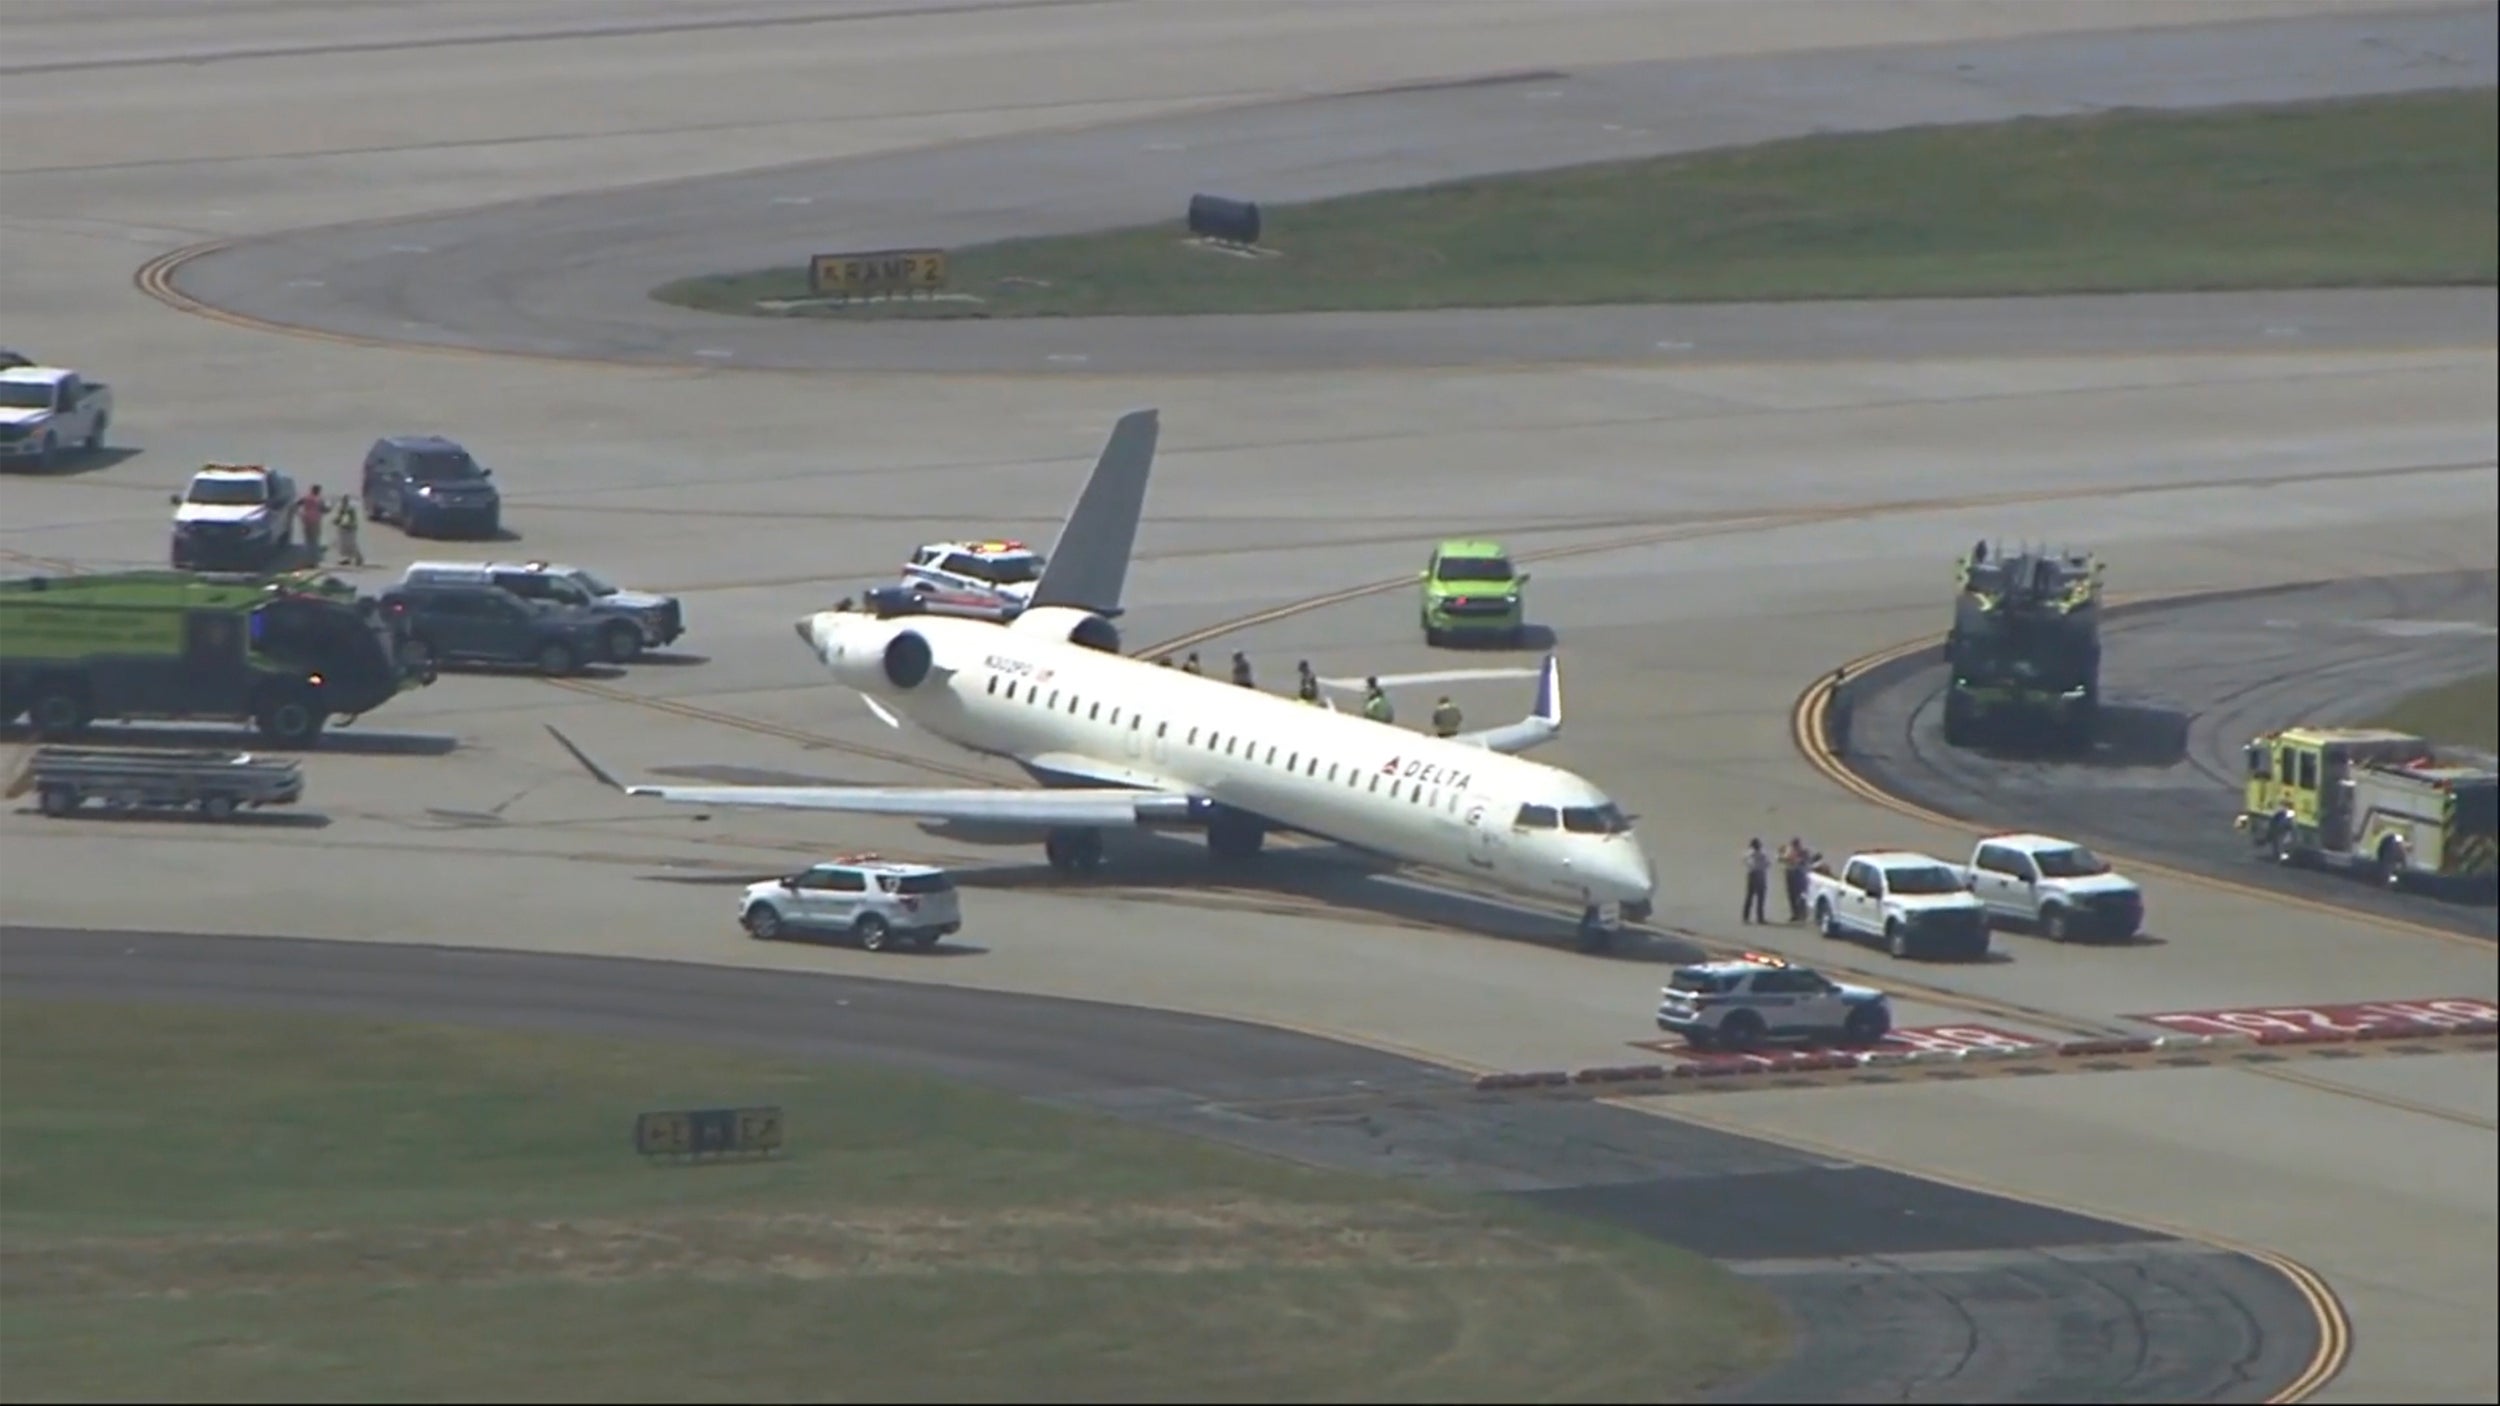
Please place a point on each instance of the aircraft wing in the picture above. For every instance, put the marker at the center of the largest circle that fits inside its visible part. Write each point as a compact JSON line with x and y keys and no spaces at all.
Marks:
{"x":1542,"y":725}
{"x":1075,"y":807}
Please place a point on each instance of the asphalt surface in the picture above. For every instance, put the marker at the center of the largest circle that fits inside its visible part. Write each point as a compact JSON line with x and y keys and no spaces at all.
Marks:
{"x":2185,"y":686}
{"x":567,"y":276}
{"x":1905,"y":1289}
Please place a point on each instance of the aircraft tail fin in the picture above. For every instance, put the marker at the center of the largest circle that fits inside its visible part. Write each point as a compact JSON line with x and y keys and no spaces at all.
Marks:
{"x":1088,"y":566}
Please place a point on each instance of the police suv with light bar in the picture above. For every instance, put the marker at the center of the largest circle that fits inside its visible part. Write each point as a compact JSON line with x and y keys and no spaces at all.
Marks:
{"x":1760,"y":996}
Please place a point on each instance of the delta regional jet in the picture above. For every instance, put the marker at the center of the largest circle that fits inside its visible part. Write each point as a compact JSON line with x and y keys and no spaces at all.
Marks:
{"x":1122,"y":743}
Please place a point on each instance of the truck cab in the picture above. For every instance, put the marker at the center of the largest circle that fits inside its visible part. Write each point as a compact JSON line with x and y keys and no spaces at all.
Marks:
{"x":1914,"y":904}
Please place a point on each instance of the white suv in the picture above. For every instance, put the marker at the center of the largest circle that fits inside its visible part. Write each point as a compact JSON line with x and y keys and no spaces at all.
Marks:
{"x":859,"y":895}
{"x":1739,"y":1004}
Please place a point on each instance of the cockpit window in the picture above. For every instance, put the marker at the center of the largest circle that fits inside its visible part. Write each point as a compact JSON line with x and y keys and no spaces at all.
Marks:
{"x":1537,"y":818}
{"x":1595,"y":820}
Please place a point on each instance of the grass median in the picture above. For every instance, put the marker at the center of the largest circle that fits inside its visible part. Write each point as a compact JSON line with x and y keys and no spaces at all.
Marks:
{"x":212,"y":1205}
{"x":2379,"y":191}
{"x":2464,"y":714}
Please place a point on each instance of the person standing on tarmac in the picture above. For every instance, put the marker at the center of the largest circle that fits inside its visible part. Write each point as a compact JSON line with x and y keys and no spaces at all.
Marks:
{"x":1306,"y":684}
{"x":1241,"y":669}
{"x":1376,"y":702}
{"x":311,"y":511}
{"x":1757,"y":881}
{"x":351,"y":553}
{"x":1793,"y":860}
{"x":1190,"y":665}
{"x":1445,"y":718}
{"x":1163,"y":661}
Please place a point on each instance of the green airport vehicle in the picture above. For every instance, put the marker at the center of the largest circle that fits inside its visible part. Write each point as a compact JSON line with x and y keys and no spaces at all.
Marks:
{"x":2025,"y":648}
{"x":285,"y":653}
{"x":1472,"y":591}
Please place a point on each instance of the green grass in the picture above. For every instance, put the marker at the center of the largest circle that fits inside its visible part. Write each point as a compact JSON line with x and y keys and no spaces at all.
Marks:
{"x":201,"y":1205}
{"x":2396,"y":190}
{"x":2465,"y":713}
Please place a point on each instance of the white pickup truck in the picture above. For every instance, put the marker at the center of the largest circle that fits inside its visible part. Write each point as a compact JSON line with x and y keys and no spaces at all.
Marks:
{"x":1915,"y":904}
{"x":2056,"y":887}
{"x":45,"y":410}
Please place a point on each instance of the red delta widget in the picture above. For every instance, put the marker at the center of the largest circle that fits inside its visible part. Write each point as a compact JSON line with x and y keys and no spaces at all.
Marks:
{"x":2440,"y":1012}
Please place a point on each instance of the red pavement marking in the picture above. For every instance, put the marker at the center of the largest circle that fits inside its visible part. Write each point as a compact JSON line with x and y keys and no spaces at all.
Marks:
{"x":1904,"y":1040}
{"x":2439,"y":1012}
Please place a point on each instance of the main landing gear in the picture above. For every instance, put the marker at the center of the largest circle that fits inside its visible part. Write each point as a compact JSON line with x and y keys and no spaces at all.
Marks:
{"x":1073,"y":851}
{"x":1233,"y":836}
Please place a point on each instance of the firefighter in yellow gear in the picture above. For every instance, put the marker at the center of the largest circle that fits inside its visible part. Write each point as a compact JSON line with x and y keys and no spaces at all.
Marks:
{"x":1376,"y":703}
{"x":1445,"y":718}
{"x":1306,"y":687}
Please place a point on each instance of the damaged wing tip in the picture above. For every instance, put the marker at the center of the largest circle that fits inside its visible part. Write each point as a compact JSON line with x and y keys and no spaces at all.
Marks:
{"x":597,"y":771}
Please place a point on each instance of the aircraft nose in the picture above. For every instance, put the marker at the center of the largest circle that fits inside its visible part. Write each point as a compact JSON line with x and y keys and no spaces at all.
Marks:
{"x":805,"y":625}
{"x":1628,"y":870}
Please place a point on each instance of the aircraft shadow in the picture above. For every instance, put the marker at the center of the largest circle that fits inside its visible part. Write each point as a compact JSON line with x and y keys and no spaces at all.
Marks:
{"x":1324,"y":877}
{"x":355,"y":742}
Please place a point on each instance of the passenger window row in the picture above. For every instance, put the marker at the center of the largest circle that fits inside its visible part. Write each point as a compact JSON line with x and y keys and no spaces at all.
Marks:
{"x":1235,"y":745}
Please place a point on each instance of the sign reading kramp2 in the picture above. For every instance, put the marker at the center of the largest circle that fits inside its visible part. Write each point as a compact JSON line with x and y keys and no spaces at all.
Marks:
{"x":877,"y":271}
{"x":2440,"y":1012}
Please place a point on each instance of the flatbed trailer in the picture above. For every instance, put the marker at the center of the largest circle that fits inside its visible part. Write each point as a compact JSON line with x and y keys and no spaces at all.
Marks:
{"x":215,"y":783}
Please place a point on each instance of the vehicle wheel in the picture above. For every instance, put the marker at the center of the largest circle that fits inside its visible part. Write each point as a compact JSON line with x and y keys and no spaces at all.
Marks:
{"x":218,"y":807}
{"x":1699,"y":1039}
{"x":289,"y":721}
{"x":763,"y":922}
{"x":1434,"y":638}
{"x":1741,"y":1031}
{"x":872,"y":932}
{"x":94,"y":443}
{"x":1957,"y":728}
{"x":624,"y":643}
{"x":924,"y":941}
{"x":2053,"y":922}
{"x":2389,"y":867}
{"x":556,"y":660}
{"x":416,"y":655}
{"x":58,"y":800}
{"x":1865,"y":1025}
{"x":50,"y":454}
{"x":1896,"y":940}
{"x":58,"y":712}
{"x":1824,"y":922}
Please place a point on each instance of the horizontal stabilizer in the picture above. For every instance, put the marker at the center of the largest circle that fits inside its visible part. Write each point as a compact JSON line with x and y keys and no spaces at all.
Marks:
{"x":1542,"y":725}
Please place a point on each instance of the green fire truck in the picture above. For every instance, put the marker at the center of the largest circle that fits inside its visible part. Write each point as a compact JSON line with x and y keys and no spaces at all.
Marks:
{"x":2025,"y":649}
{"x":285,"y":653}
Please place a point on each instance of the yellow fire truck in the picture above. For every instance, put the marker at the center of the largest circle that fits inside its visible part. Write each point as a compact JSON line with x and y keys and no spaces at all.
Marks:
{"x":2371,"y":799}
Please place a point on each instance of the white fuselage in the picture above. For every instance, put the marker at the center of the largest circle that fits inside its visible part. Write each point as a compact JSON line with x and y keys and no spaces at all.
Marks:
{"x":1088,"y":716}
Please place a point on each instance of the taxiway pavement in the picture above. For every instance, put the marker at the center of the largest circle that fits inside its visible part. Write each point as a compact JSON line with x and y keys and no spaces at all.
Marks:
{"x":1711,"y":538}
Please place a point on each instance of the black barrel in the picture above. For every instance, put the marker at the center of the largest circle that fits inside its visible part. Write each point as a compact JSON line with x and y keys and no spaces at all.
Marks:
{"x":1215,"y":217}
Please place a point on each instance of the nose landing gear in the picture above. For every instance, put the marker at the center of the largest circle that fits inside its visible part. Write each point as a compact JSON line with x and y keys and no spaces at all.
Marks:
{"x":1597,"y":934}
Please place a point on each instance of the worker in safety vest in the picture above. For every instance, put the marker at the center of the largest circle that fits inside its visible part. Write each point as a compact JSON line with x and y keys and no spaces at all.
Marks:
{"x":1376,"y":703}
{"x":1306,"y":686}
{"x":1445,"y":718}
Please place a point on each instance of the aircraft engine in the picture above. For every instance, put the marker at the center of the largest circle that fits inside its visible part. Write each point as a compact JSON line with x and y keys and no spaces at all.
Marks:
{"x":907,"y":659}
{"x":1078,"y":627}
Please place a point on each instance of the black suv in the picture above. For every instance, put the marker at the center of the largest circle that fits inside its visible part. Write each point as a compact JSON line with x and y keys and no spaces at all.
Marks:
{"x":459,"y":624}
{"x":431,"y":487}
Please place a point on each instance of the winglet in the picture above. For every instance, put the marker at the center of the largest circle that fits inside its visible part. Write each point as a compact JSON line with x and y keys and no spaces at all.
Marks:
{"x":1548,"y":709}
{"x":1088,"y":566}
{"x":597,"y":771}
